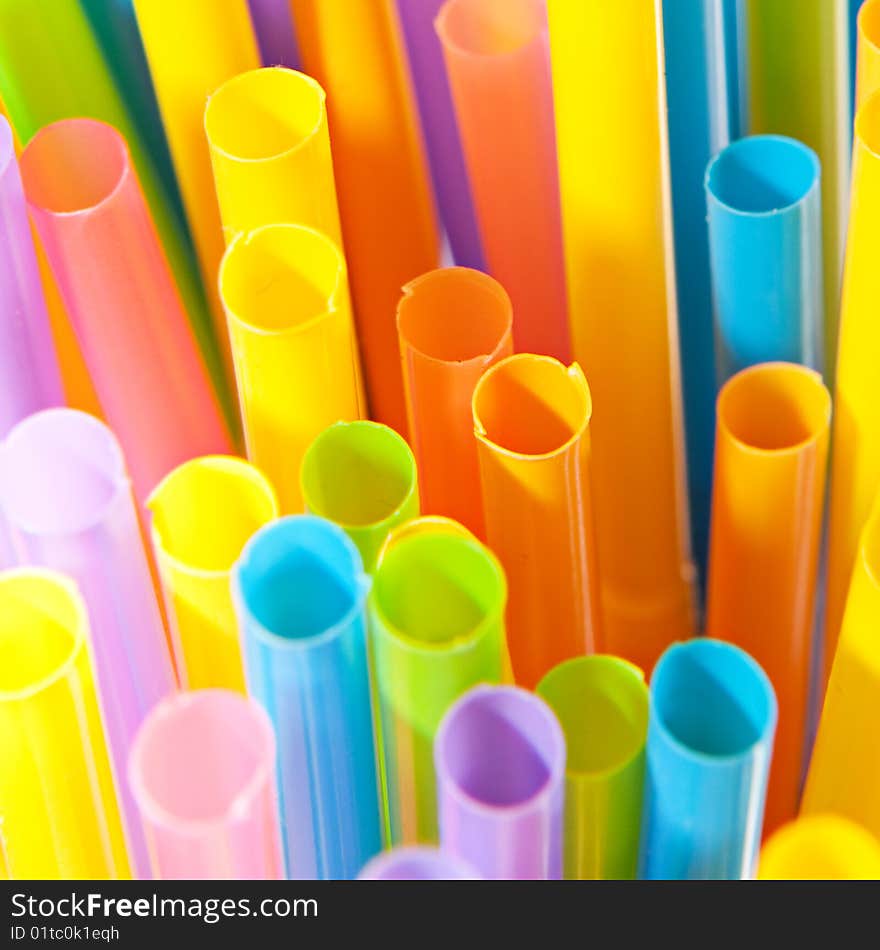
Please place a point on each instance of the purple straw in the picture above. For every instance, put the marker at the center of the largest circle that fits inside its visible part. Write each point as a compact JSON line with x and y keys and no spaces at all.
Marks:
{"x":69,"y":506}
{"x":273,"y":24}
{"x":416,"y":864}
{"x":29,"y":376}
{"x":440,"y":128}
{"x":500,"y":761}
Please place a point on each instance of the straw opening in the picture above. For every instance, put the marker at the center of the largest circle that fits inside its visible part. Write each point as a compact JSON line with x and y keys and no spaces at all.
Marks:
{"x":415,"y":864}
{"x":264,"y":114}
{"x":39,"y":500}
{"x":94,"y":159}
{"x":454,"y":315}
{"x":763,"y":174}
{"x":491,"y":27}
{"x":775,"y":407}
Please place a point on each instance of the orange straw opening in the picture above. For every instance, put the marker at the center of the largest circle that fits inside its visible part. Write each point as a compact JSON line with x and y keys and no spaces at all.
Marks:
{"x":869,"y":22}
{"x":491,"y":27}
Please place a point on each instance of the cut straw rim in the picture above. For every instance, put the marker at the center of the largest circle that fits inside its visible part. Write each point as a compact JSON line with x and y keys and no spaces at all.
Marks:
{"x":821,"y":846}
{"x":262,"y":775}
{"x":474,"y":278}
{"x":361,"y":584}
{"x":239,"y":471}
{"x":449,"y":37}
{"x":424,"y":524}
{"x":464,"y":641}
{"x":574,"y":373}
{"x":110,"y":134}
{"x":555,"y":760}
{"x":385,"y":432}
{"x":244,"y":239}
{"x":111,"y":465}
{"x":7,"y":145}
{"x":869,"y":114}
{"x":745,"y":377}
{"x":78,"y":628}
{"x":246,"y":77}
{"x":751,"y":143}
{"x":432,"y":860}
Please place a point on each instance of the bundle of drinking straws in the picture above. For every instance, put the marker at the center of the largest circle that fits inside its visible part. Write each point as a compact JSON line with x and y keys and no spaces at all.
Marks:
{"x":416,"y":428}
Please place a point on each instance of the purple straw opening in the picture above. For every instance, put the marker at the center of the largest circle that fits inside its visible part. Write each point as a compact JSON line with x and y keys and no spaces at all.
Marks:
{"x":416,"y":864}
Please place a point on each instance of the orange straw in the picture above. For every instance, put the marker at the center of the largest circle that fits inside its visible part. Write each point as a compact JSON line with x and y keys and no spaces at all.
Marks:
{"x":453,"y":324}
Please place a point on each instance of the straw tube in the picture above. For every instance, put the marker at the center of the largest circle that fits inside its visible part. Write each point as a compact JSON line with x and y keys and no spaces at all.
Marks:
{"x":855,"y":449}
{"x":436,"y":629}
{"x":29,"y":375}
{"x":202,"y":769}
{"x":767,"y":505}
{"x":68,"y":500}
{"x":867,"y":52}
{"x":452,"y":324}
{"x":57,"y":798}
{"x":710,"y":737}
{"x":532,"y":418}
{"x":496,"y":54}
{"x":765,"y":238}
{"x":416,"y":864}
{"x":799,"y":85}
{"x":500,"y":759}
{"x":355,"y":49}
{"x":452,"y":188}
{"x":285,"y":289}
{"x":820,"y":848}
{"x":299,"y":590}
{"x":602,"y":705}
{"x":275,"y":33}
{"x":192,"y":49}
{"x":103,"y":247}
{"x":614,"y":182}
{"x":844,"y":774}
{"x":204,"y":512}
{"x":699,"y":42}
{"x":362,"y":476}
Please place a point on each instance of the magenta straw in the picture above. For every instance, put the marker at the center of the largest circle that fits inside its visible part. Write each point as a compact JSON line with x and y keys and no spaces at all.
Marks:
{"x":417,"y":864}
{"x":273,"y":24}
{"x":202,"y":770}
{"x":29,"y":375}
{"x":440,"y":128}
{"x":69,"y":506}
{"x":500,"y":761}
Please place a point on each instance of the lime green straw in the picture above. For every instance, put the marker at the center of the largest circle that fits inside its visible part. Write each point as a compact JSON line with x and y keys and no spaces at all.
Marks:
{"x":798,"y":82}
{"x":51,"y":67}
{"x":602,"y":705}
{"x":436,"y":621}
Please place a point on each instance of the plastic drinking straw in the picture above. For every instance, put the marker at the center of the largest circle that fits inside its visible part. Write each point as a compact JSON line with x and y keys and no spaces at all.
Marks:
{"x":452,"y":189}
{"x":103,"y":247}
{"x":193,"y":48}
{"x":531,"y":420}
{"x":710,"y":738}
{"x":68,"y":501}
{"x":868,"y":52}
{"x":285,"y":289}
{"x":855,"y":448}
{"x":765,"y":238}
{"x":437,"y":629}
{"x":498,"y":65}
{"x":29,"y":375}
{"x":700,"y":57}
{"x":273,"y":24}
{"x":416,"y":864}
{"x":799,"y":85}
{"x":453,"y":323}
{"x":602,"y":705}
{"x":52,"y":67}
{"x":735,"y":44}
{"x":771,"y":452}
{"x":354,"y":48}
{"x":362,"y":476}
{"x":844,"y":774}
{"x":424,"y":524}
{"x":203,"y":514}
{"x":500,"y":759}
{"x":299,"y":589}
{"x":202,"y":769}
{"x":57,"y":799}
{"x":270,"y":152}
{"x":820,"y":848}
{"x":614,"y":181}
